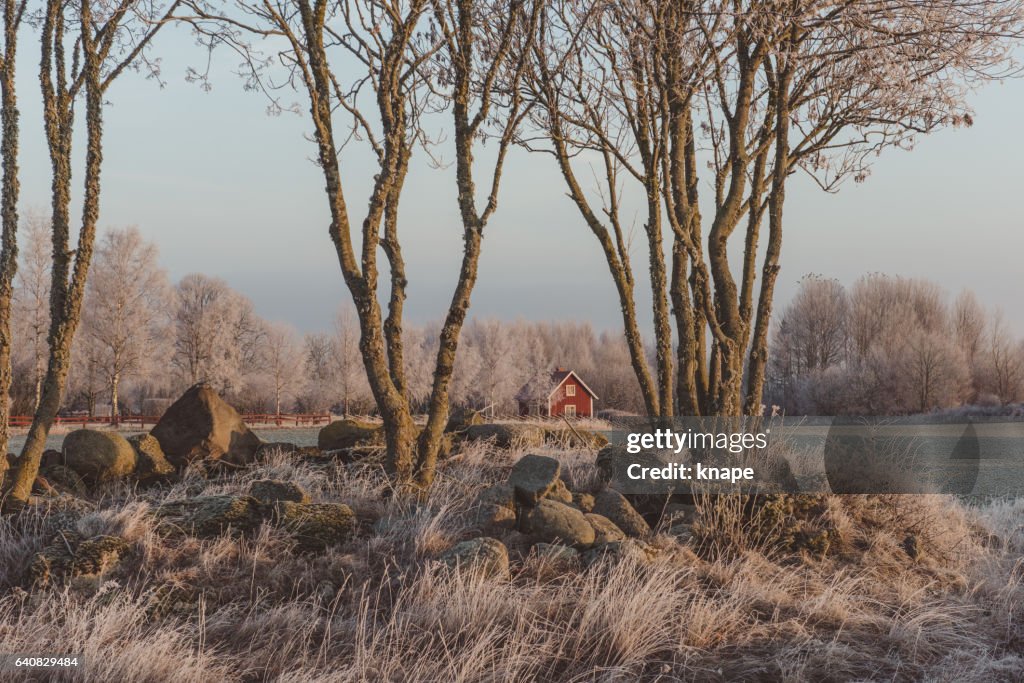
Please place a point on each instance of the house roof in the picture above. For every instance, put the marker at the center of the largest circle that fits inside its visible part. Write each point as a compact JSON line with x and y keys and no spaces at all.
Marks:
{"x":542,"y":387}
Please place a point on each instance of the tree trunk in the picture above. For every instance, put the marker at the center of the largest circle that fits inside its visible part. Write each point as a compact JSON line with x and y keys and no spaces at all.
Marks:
{"x":65,"y":296}
{"x":114,"y":412}
{"x":9,"y":187}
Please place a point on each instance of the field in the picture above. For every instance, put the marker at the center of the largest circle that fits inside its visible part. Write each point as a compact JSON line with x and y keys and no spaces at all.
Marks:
{"x":790,"y":589}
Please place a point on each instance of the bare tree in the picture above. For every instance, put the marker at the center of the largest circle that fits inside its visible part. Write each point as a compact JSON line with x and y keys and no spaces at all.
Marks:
{"x":32,"y":296}
{"x":969,"y":322}
{"x":125,"y":311}
{"x":675,"y":97}
{"x":14,"y":11}
{"x":467,"y":53}
{"x":282,"y":358}
{"x":216,"y":335}
{"x":1002,"y":371}
{"x":935,"y":370}
{"x":85,"y":47}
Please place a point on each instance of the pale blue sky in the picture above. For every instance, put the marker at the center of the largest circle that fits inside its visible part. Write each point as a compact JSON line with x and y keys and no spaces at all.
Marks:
{"x":225,"y":189}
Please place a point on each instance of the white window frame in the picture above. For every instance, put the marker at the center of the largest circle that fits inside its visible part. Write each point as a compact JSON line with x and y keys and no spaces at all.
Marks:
{"x":569,"y":411}
{"x":570,"y":389}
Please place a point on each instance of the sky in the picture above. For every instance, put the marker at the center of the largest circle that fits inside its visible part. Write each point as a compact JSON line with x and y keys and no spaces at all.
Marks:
{"x":226,"y":189}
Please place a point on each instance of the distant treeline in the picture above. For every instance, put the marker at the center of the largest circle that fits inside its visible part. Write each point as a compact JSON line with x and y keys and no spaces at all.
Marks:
{"x":890,"y":345}
{"x":144,"y":340}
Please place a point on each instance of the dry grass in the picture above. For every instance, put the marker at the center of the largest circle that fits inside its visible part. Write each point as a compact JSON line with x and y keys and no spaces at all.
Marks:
{"x":776,"y":589}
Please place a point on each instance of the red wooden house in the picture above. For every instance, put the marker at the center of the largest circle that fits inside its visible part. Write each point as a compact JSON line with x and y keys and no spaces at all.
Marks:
{"x":560,"y":393}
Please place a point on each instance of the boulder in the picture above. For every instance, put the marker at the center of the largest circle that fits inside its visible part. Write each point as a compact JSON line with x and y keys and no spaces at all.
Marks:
{"x":551,"y":521}
{"x":98,"y":456}
{"x":274,"y":490}
{"x":461,"y":418}
{"x":486,"y":556}
{"x":343,"y":434}
{"x":316,"y":526}
{"x":605,"y":530}
{"x":507,"y":435}
{"x":201,"y":426}
{"x":584,"y":501}
{"x":495,"y":507}
{"x":217,"y":514}
{"x":68,"y":556}
{"x":629,"y":549}
{"x":557,"y":556}
{"x":533,"y":477}
{"x":151,"y":464}
{"x":613,"y":505}
{"x":561,"y":493}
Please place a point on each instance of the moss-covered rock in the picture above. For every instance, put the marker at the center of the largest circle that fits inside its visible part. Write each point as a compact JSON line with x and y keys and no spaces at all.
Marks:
{"x":316,"y":526}
{"x":605,"y":530}
{"x":484,"y":555}
{"x":344,"y":434}
{"x":507,"y":435}
{"x":69,"y":556}
{"x":98,"y":456}
{"x":533,"y":477}
{"x":551,"y":521}
{"x":208,"y":516}
{"x":274,"y":490}
{"x":495,"y":507}
{"x":151,"y":465}
{"x":613,"y":505}
{"x":462,"y":418}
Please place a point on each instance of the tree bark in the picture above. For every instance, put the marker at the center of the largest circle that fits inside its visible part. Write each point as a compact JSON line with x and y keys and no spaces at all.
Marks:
{"x":9,"y":188}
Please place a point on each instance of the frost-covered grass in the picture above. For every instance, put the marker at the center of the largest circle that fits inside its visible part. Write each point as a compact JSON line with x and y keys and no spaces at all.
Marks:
{"x":726,"y":603}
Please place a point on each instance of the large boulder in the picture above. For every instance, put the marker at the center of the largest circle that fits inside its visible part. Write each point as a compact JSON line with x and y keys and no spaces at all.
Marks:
{"x":343,"y":434}
{"x":98,"y":456}
{"x":201,"y":426}
{"x":151,"y":464}
{"x":533,"y":477}
{"x":484,"y":555}
{"x":507,"y":435}
{"x":554,"y":522}
{"x":614,"y":506}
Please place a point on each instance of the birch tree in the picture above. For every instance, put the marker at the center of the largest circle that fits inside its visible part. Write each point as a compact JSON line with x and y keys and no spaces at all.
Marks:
{"x":282,"y":358}
{"x":125,"y":312}
{"x":694,"y":107}
{"x":32,"y":297}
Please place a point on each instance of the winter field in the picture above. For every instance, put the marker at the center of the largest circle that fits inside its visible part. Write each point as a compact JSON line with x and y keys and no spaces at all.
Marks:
{"x":781,"y":588}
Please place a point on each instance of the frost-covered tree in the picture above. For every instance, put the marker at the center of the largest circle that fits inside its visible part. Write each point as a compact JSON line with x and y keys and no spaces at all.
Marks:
{"x":216,"y":333}
{"x":125,"y":315}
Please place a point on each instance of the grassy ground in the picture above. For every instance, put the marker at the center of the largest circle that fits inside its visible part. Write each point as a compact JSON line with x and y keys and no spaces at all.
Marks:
{"x":829,"y":588}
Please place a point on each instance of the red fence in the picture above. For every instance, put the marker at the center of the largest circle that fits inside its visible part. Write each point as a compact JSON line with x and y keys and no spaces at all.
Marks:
{"x":282,"y":420}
